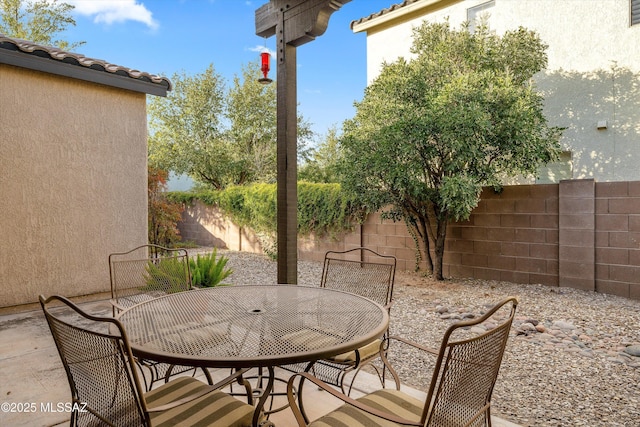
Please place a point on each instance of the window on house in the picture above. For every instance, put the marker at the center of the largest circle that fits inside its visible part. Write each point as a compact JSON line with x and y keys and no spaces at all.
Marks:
{"x":556,"y":171}
{"x":477,"y":13}
{"x":635,"y":11}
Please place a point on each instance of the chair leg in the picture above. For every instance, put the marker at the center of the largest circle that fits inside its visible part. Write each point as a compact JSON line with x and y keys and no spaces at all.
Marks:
{"x":142,"y":367}
{"x":355,"y":374}
{"x":207,"y":375}
{"x":300,"y":404}
{"x":393,"y":372}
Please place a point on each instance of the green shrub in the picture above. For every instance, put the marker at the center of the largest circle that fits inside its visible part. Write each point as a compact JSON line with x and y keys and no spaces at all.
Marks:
{"x":166,"y":274}
{"x":322,"y":208}
{"x":209,"y":270}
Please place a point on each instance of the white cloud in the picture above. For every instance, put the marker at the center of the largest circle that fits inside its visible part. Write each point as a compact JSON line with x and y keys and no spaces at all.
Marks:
{"x":115,"y":11}
{"x":261,"y":48}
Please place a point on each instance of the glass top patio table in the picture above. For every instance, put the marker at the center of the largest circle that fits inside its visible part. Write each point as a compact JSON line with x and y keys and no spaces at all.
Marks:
{"x":252,"y":326}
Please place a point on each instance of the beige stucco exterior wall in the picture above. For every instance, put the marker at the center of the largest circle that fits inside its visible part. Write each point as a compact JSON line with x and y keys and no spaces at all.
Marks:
{"x":592,"y":75}
{"x":73,"y":183}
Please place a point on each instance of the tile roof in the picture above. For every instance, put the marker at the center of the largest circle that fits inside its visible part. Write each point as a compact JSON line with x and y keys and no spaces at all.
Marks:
{"x":53,"y":53}
{"x":390,"y":9}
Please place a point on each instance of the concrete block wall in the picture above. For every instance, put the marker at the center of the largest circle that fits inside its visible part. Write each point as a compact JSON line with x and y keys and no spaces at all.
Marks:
{"x":578,"y":233}
{"x":576,"y":221}
{"x":617,"y":238}
{"x":313,"y":249}
{"x":511,"y":235}
{"x":207,"y":226}
{"x":390,"y":238}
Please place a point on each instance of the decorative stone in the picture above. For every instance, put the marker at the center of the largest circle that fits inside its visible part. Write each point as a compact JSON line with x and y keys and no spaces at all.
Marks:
{"x":561,"y":324}
{"x":527,"y":327}
{"x":633,"y":350}
{"x":441,"y":309}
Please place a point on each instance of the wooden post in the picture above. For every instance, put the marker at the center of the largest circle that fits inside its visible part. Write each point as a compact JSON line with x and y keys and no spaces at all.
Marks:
{"x":294,"y":22}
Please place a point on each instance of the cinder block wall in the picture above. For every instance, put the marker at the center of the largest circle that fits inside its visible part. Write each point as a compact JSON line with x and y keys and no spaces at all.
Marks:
{"x":207,"y":226}
{"x":617,"y":238}
{"x":512,"y":236}
{"x":578,"y":233}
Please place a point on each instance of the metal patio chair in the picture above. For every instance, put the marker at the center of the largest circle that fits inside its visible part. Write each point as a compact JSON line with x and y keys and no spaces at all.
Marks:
{"x":144,"y":273}
{"x":367,"y":273}
{"x":147,"y":272}
{"x":460,"y":392}
{"x":106,"y":390}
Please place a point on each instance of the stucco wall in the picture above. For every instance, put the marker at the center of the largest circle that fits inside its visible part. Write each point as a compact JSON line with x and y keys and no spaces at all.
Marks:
{"x":592,"y":74}
{"x":72,"y":181}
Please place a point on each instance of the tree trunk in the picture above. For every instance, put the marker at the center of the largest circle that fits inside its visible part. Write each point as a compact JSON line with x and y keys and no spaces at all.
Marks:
{"x":441,"y":235}
{"x":426,"y":246}
{"x":417,"y":230}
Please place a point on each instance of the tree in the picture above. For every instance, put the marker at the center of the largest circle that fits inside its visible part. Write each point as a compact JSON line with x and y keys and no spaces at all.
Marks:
{"x":163,"y":214}
{"x":38,"y":21}
{"x":251,"y":109}
{"x":218,"y":137}
{"x":322,"y":162}
{"x":186,"y":130}
{"x":430,"y":132}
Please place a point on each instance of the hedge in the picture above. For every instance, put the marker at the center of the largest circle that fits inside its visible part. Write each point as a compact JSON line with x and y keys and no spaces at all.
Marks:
{"x":323,"y":209}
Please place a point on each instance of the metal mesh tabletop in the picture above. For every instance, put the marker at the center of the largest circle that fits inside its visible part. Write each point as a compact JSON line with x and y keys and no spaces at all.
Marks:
{"x":252,"y":326}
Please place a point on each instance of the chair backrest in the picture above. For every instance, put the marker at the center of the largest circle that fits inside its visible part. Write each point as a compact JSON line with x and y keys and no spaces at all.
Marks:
{"x":146,"y":272}
{"x":467,"y":368}
{"x":98,"y":362}
{"x":360,"y":271}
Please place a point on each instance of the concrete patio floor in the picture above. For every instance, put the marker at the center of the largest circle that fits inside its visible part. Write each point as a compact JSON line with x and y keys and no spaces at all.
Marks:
{"x":33,"y":382}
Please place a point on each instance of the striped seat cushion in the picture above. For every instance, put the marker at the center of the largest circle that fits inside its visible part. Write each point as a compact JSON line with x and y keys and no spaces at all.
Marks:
{"x":392,"y":401}
{"x":213,"y":409}
{"x":306,"y":339}
{"x":366,"y":352}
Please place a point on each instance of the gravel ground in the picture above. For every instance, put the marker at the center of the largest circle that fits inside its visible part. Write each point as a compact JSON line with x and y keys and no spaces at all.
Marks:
{"x":568,"y":361}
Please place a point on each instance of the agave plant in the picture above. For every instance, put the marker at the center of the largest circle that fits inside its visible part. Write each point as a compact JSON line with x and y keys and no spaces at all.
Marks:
{"x":209,"y":270}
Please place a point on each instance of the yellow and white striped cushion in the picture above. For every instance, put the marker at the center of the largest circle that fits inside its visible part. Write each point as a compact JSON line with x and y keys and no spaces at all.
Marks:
{"x":388,"y":400}
{"x":369,"y":350}
{"x":213,"y":409}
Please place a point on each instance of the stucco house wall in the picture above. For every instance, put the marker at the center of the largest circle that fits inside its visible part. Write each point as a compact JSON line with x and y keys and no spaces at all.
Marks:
{"x":73,"y":181}
{"x":591,"y":79}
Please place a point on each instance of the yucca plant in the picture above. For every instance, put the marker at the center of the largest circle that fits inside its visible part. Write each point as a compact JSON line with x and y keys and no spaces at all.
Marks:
{"x":208,"y":270}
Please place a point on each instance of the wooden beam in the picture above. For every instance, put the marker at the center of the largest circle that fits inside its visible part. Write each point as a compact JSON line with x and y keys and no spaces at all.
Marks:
{"x":305,"y":19}
{"x":294,"y":22}
{"x":287,"y":176}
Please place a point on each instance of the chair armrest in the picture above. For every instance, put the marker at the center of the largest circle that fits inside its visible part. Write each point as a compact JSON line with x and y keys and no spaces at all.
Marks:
{"x":346,"y":399}
{"x":236,"y":376}
{"x":118,"y":307}
{"x":414,"y":345}
{"x":384,"y":356}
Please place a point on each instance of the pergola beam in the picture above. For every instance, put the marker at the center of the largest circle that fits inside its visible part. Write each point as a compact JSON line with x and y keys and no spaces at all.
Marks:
{"x":295,"y":22}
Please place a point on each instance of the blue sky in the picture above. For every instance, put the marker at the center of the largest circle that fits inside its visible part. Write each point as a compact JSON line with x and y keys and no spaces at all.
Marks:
{"x":167,"y":36}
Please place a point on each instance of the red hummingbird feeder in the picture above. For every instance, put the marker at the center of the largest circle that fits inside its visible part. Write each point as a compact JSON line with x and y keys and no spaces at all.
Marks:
{"x":265,"y":59}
